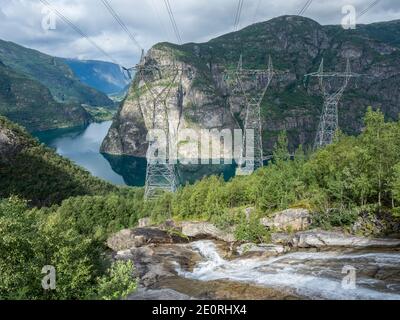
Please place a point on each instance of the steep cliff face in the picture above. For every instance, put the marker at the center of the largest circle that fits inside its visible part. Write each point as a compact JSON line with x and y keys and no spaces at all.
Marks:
{"x":180,"y":94}
{"x":296,"y":46}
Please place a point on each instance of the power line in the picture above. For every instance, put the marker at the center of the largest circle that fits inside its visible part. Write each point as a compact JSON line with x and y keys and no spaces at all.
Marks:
{"x":158,"y":16}
{"x":256,"y":11}
{"x":238,"y":15}
{"x":305,"y":7}
{"x":78,"y":30}
{"x":121,"y":23}
{"x":173,"y":21}
{"x":370,"y":6}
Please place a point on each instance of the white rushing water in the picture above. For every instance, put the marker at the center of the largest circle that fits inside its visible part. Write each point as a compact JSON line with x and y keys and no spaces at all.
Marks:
{"x":309,"y":274}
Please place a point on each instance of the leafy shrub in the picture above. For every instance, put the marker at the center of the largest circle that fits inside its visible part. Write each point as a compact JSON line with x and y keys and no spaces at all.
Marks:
{"x":118,"y":283}
{"x":252,"y":231}
{"x":335,"y":218}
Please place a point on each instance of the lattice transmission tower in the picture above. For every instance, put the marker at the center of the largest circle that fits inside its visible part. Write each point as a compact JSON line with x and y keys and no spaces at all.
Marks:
{"x":329,"y":122}
{"x":250,"y":85}
{"x":161,"y":173}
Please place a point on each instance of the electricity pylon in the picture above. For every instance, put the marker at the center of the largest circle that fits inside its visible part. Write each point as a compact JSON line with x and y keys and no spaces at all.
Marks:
{"x":251,"y":85}
{"x":329,"y":122}
{"x":160,"y":175}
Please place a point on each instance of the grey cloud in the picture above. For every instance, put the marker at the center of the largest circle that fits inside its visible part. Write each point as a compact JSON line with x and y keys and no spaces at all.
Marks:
{"x":198,"y":21}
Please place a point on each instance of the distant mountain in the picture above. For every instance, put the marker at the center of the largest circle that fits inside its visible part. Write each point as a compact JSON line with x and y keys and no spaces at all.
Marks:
{"x":121,"y":95}
{"x":106,"y":77}
{"x":29,"y":103}
{"x":53,"y":73}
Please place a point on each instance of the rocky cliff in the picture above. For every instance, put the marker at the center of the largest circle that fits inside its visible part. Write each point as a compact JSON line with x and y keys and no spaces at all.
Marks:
{"x":296,"y":45}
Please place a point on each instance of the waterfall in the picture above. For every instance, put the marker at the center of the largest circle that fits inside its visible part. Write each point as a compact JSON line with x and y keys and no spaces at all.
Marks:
{"x":315,"y":275}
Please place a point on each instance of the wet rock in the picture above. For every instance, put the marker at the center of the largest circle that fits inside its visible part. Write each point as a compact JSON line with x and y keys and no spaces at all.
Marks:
{"x":225,"y":290}
{"x":260,"y":249}
{"x":205,"y":230}
{"x":133,"y":238}
{"x":291,"y":219}
{"x":160,"y":261}
{"x":318,"y":239}
{"x":158,"y":294}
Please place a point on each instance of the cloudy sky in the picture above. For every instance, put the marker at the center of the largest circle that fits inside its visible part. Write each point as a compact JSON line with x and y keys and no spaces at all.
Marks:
{"x":22,"y":21}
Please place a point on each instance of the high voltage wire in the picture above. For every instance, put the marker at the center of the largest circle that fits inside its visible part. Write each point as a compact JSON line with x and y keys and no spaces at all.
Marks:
{"x":305,"y":7}
{"x":256,"y":11}
{"x":121,"y":23}
{"x":173,"y":21}
{"x":238,"y":15}
{"x":158,"y":15}
{"x":370,"y":6}
{"x":78,"y":30}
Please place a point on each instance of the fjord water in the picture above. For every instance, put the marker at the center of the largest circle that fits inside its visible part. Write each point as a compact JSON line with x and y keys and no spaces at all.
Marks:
{"x":82,"y":146}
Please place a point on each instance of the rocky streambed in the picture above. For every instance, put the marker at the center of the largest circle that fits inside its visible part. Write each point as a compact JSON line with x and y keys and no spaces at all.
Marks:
{"x":304,"y":265}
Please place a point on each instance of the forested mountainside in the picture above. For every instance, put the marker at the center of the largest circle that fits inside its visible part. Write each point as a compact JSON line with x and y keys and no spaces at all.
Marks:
{"x":41,"y":92}
{"x":37,"y":174}
{"x":296,"y":45}
{"x":33,"y":176}
{"x":29,"y":103}
{"x":53,"y":73}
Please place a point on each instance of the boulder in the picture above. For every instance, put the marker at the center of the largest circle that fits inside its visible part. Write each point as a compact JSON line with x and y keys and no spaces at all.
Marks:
{"x":134,"y":238}
{"x":262,"y":249}
{"x":154,"y":262}
{"x":124,"y":255}
{"x":319,"y":239}
{"x":370,"y":224}
{"x":205,"y":230}
{"x":281,"y":238}
{"x":291,"y":219}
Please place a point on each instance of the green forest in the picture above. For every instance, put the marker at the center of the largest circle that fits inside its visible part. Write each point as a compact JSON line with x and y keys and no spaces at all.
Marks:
{"x":55,"y":213}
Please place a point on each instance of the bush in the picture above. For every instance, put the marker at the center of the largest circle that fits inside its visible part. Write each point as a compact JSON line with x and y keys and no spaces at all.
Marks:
{"x":335,"y":218}
{"x":118,"y":283}
{"x":33,"y":239}
{"x":252,"y":231}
